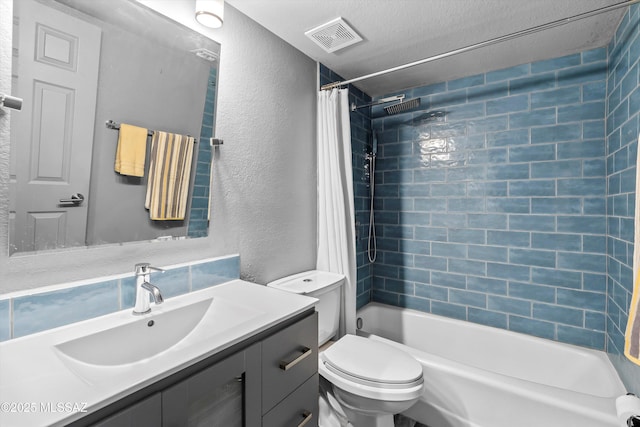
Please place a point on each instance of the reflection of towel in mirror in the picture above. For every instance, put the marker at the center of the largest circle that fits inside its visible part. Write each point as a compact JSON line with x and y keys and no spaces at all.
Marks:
{"x":131,"y":151}
{"x":169,"y":175}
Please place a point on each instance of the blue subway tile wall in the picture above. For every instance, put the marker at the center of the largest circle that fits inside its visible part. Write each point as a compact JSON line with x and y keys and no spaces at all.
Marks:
{"x":361,"y":144}
{"x":494,"y":211}
{"x":28,"y":314}
{"x":199,"y":209}
{"x":623,"y":107}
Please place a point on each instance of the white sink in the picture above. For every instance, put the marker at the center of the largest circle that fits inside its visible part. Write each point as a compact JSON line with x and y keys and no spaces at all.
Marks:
{"x":98,"y":361}
{"x":132,"y":342}
{"x":170,"y":331}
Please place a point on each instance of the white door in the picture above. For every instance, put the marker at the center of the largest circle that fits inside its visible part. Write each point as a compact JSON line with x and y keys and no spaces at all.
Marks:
{"x":52,"y":137}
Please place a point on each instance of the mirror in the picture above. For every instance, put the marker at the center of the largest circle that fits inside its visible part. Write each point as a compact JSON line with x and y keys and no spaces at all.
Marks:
{"x":79,"y":64}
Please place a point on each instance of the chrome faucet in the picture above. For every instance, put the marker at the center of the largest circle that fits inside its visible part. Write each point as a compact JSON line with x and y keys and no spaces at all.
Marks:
{"x":144,"y":288}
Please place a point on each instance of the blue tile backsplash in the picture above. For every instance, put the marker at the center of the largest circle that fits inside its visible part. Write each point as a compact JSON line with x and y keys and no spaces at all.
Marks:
{"x":5,"y":320}
{"x":28,"y":314}
{"x":35,"y":313}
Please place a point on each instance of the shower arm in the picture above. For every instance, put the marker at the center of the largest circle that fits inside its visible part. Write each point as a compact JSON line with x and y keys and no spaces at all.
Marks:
{"x":489,"y":42}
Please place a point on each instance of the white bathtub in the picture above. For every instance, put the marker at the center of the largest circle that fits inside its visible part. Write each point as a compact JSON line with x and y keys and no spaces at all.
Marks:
{"x":478,"y":376}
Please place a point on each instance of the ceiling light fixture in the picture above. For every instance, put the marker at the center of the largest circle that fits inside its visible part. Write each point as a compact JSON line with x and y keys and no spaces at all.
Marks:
{"x":210,"y":13}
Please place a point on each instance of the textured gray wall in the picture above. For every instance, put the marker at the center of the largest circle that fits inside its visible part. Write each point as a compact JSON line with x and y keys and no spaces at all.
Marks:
{"x":264,"y":179}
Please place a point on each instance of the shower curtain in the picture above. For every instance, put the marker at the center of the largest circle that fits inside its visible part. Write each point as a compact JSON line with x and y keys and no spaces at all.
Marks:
{"x":336,"y":215}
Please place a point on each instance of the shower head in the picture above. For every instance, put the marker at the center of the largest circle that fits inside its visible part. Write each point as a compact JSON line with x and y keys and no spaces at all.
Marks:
{"x":403,"y":106}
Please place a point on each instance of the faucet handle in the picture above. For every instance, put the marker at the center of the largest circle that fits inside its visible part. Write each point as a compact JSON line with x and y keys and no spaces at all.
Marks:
{"x":145,"y":268}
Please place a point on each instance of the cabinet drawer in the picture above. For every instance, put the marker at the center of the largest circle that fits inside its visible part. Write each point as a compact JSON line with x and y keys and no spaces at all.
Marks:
{"x":300,"y":408}
{"x":289,"y":358}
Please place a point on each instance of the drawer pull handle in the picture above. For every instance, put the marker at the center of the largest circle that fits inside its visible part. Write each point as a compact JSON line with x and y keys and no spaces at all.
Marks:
{"x":307,"y":417}
{"x":286,"y":365}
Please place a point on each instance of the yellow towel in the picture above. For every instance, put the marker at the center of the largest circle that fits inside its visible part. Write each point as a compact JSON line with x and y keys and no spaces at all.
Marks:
{"x":632,"y":334}
{"x":169,"y":175}
{"x":131,"y":151}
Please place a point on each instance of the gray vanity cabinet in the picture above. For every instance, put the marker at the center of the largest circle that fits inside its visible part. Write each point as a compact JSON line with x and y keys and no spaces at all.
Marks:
{"x":220,"y":395}
{"x":269,"y":380}
{"x":146,"y":413}
{"x":300,"y":408}
{"x":290,"y":376}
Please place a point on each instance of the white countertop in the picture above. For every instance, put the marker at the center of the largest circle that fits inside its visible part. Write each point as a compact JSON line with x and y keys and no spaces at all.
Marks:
{"x":39,"y":386}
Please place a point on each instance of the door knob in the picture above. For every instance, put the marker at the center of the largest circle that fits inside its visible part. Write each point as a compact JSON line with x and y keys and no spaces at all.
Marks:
{"x":75,"y":200}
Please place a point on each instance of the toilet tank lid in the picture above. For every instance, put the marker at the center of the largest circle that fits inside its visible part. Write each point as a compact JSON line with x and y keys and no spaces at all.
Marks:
{"x":308,"y":282}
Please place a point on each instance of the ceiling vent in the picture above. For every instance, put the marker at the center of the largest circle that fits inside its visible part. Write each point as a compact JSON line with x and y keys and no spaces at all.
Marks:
{"x":334,"y":35}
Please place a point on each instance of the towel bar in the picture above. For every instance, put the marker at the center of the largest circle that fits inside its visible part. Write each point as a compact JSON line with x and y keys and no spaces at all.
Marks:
{"x":113,"y":125}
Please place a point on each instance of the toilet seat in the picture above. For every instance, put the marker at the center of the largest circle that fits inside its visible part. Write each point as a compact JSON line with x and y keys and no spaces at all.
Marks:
{"x":371,"y":369}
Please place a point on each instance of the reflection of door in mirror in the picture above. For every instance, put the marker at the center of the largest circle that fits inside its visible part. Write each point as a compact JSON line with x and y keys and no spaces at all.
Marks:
{"x":150,"y":73}
{"x":53,"y":135}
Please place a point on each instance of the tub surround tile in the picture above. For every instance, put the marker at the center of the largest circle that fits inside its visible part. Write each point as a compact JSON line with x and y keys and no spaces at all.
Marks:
{"x":487,"y":285}
{"x":558,"y":314}
{"x":508,"y":73}
{"x":415,"y":303}
{"x":386,"y":297}
{"x":514,"y":184}
{"x":532,"y":327}
{"x":532,"y":292}
{"x":489,"y":318}
{"x":571,"y":124}
{"x":623,"y":99}
{"x":449,"y":310}
{"x":581,"y":336}
{"x":509,"y":305}
{"x":555,"y":97}
{"x":595,"y":321}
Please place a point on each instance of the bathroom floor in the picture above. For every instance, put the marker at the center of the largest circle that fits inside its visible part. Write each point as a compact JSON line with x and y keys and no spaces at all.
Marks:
{"x":402,"y":421}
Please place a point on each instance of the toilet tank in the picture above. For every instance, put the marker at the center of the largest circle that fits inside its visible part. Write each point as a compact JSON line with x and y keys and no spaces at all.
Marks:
{"x":325,"y":286}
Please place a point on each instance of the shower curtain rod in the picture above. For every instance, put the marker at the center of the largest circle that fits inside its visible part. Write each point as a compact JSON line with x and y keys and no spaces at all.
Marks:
{"x":485,"y":43}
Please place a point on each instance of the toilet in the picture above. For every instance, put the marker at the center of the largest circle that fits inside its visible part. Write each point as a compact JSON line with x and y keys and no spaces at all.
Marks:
{"x":371,"y":380}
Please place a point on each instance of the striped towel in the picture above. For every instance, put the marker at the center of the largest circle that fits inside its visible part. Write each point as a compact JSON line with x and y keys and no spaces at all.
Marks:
{"x":169,"y":175}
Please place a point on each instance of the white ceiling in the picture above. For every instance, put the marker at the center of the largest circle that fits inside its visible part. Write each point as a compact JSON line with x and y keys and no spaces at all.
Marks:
{"x":397,"y":32}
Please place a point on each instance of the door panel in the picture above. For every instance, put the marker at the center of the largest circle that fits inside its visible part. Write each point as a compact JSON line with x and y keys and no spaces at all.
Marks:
{"x":48,"y":229}
{"x":52,"y":137}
